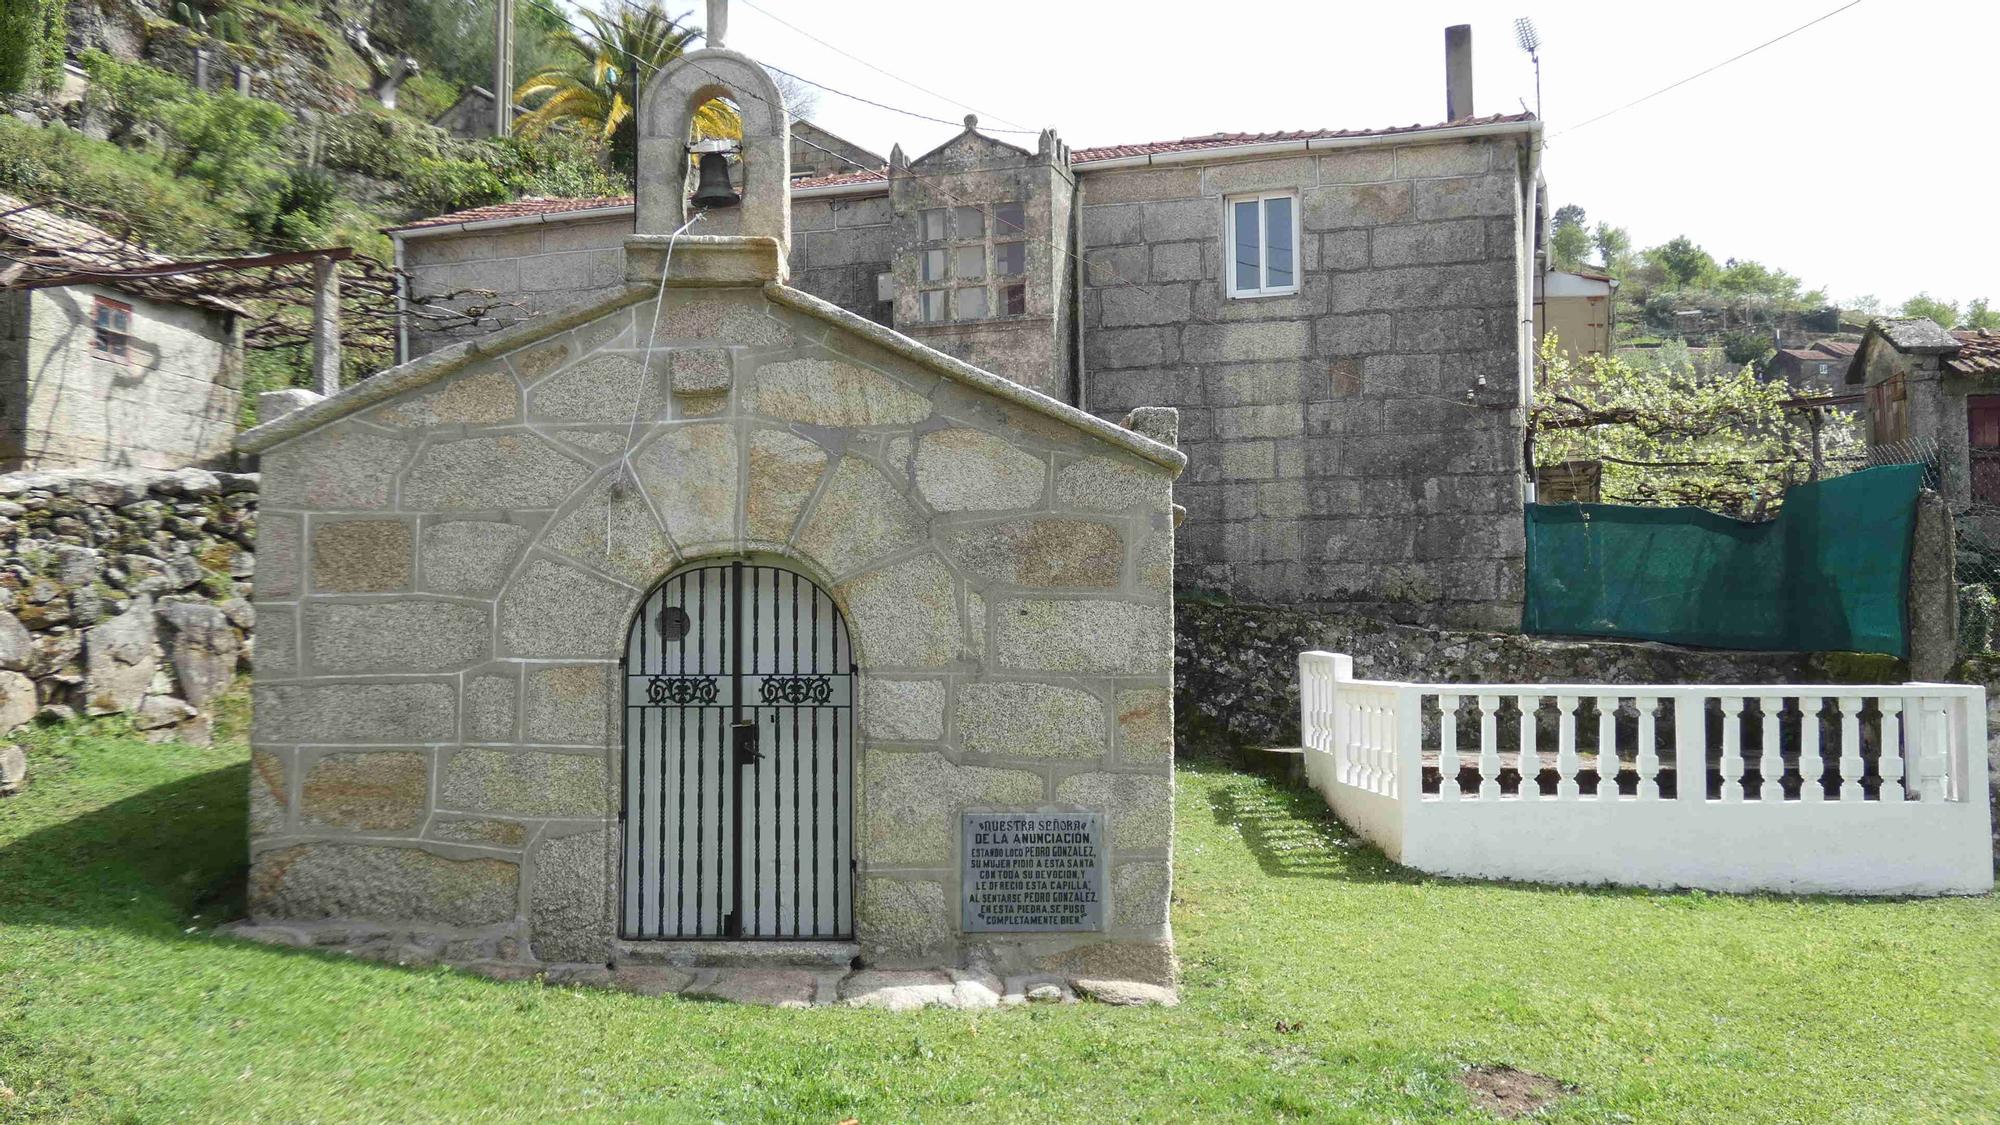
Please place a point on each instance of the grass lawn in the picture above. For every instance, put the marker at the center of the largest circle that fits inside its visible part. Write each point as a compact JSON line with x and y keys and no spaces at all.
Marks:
{"x":1320,"y":982}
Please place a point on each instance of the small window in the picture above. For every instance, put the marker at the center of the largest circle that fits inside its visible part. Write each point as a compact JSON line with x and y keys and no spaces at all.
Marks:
{"x":1010,"y":259}
{"x":111,"y":330}
{"x":969,"y":263}
{"x":933,"y":268}
{"x":931,"y":305}
{"x":1016,"y":297}
{"x":931,"y":225}
{"x":1008,"y":219}
{"x":971,"y":304}
{"x":1822,"y":368}
{"x":1263,"y":245}
{"x":971,"y":223}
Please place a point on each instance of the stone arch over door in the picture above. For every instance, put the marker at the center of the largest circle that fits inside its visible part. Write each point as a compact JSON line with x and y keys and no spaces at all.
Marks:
{"x":739,"y":684}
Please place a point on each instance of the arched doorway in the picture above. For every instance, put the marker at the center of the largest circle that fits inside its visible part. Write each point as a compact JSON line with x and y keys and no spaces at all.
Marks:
{"x":737,"y":815}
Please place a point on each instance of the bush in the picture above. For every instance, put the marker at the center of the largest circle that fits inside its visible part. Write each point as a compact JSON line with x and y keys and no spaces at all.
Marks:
{"x":437,"y":186}
{"x":227,"y":141}
{"x":299,"y":213}
{"x":166,"y":212}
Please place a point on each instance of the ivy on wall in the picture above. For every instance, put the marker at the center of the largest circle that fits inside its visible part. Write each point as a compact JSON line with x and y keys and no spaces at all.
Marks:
{"x":32,"y":38}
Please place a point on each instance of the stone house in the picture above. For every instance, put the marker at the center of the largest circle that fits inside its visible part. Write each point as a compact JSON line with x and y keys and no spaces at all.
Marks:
{"x":1344,"y":319}
{"x":707,"y":611}
{"x":128,"y":374}
{"x":1937,"y":393}
{"x":1818,"y":368}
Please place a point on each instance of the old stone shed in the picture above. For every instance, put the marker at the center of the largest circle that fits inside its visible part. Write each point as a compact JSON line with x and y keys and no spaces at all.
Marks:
{"x":130,"y":375}
{"x":508,"y":591}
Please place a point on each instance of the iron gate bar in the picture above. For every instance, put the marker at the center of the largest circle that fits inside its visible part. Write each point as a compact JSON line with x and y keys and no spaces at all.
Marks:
{"x":659,"y":680}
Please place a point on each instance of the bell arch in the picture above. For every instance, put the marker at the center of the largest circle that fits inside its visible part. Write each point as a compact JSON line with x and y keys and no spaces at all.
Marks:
{"x":665,"y":111}
{"x":738,"y":758}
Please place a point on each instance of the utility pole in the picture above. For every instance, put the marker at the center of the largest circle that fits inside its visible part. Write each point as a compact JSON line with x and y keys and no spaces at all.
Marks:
{"x":503,"y":68}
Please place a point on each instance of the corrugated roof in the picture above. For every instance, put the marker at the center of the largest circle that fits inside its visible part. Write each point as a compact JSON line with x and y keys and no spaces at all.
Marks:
{"x":1978,"y":352}
{"x":57,"y":244}
{"x":526,"y":208}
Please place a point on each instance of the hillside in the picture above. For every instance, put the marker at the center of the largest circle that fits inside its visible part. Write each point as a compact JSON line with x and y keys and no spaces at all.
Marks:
{"x":312,"y":156}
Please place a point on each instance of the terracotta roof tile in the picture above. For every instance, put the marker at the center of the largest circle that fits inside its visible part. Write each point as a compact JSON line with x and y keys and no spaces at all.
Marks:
{"x":1978,"y":352}
{"x":1232,"y":140}
{"x":526,"y":208}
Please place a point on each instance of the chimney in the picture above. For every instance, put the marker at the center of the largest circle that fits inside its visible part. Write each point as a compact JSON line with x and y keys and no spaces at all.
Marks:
{"x":1457,"y":71}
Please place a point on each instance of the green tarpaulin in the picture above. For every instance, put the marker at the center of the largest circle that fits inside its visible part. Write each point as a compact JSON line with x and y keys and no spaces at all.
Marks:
{"x":1829,"y":574}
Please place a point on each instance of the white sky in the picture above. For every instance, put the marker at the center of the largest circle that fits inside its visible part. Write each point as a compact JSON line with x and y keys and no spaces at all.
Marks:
{"x":1859,"y":154}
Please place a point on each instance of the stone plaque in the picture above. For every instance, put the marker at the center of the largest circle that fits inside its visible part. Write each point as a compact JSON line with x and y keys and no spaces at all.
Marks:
{"x":1033,"y":871}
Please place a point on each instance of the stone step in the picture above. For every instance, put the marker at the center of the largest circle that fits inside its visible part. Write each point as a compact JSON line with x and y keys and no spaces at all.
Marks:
{"x":737,"y":954}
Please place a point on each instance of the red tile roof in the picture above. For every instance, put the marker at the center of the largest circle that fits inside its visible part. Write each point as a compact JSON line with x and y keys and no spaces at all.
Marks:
{"x":519,"y":209}
{"x":1978,"y":352}
{"x":1232,"y":140}
{"x":526,"y":208}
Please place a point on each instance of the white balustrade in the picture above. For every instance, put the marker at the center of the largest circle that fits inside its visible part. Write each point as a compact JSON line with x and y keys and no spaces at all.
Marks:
{"x":1922,"y":826}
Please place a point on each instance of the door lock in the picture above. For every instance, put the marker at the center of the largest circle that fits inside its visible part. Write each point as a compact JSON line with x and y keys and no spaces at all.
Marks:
{"x":743,"y":737}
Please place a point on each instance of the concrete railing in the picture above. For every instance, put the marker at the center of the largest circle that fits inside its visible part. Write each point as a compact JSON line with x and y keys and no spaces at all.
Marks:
{"x":1844,"y":789}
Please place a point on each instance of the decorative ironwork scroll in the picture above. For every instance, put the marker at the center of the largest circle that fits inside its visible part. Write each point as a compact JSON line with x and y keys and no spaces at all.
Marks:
{"x":797,"y":689}
{"x":681,"y":691}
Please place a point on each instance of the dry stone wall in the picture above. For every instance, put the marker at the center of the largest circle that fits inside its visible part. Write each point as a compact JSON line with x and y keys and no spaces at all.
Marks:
{"x":124,"y":593}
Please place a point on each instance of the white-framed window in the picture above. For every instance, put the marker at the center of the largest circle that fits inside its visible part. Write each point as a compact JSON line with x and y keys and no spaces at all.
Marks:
{"x":1263,"y":237}
{"x":111,"y":329}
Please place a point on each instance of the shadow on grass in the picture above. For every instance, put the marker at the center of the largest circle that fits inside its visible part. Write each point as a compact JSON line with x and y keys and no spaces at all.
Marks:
{"x":1291,"y":831}
{"x":149,"y":862}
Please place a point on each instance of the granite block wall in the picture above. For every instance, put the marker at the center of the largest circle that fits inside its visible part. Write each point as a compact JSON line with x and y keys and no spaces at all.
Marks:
{"x":460,"y":548}
{"x":1357,"y":443}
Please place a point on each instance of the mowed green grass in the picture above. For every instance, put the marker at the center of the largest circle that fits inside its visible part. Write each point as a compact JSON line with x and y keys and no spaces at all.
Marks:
{"x":1320,"y":983}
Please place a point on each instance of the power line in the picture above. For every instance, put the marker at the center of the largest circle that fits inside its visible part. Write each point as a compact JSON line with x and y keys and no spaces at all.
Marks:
{"x":951,"y":200}
{"x":775,"y":17}
{"x":1710,"y":70}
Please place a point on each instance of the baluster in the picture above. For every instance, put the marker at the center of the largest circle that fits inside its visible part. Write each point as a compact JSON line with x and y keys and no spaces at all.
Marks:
{"x":1812,"y":765}
{"x":1566,"y":788}
{"x":1607,"y":748}
{"x":1928,"y":736}
{"x":1343,"y":735}
{"x":1771,"y":760}
{"x":1649,"y":751}
{"x":1529,"y":763}
{"x":1850,"y":748}
{"x":1371,"y":737}
{"x":1889,"y":763}
{"x":1489,"y":747}
{"x":1690,"y":747}
{"x":1448,"y":787}
{"x":1732,"y":747}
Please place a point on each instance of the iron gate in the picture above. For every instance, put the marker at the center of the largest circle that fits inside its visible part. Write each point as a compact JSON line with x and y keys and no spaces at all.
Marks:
{"x":739,"y":758}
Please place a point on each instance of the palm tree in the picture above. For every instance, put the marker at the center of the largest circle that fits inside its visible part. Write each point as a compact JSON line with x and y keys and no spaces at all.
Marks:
{"x":597,"y":91}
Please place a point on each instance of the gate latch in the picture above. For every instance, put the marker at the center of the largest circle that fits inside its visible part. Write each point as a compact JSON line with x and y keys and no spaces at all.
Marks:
{"x":744,"y":740}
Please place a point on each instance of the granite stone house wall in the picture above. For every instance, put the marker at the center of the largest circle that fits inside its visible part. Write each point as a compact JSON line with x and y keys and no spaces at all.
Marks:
{"x":453,"y":552}
{"x":1357,"y":444}
{"x":171,"y":402}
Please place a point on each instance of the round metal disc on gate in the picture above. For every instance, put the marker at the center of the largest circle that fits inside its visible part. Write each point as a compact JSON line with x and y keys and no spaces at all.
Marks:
{"x":674,"y":623}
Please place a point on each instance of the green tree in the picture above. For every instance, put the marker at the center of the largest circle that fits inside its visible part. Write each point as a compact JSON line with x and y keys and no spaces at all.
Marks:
{"x":1754,"y":279}
{"x":1569,"y":239}
{"x":1614,"y":248}
{"x":1668,"y":434}
{"x":1979,"y":315}
{"x":596,"y":90}
{"x":1937,"y":308}
{"x":32,"y":36}
{"x":1682,"y":264}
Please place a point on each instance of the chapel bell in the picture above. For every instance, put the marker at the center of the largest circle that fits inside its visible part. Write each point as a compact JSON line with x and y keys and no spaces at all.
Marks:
{"x":713,"y":190}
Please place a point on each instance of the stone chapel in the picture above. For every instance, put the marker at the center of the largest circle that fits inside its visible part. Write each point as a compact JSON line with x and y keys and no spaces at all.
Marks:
{"x":709,"y":622}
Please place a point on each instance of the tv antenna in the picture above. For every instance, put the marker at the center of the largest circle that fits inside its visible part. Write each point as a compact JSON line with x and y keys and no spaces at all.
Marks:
{"x":1531,"y":42}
